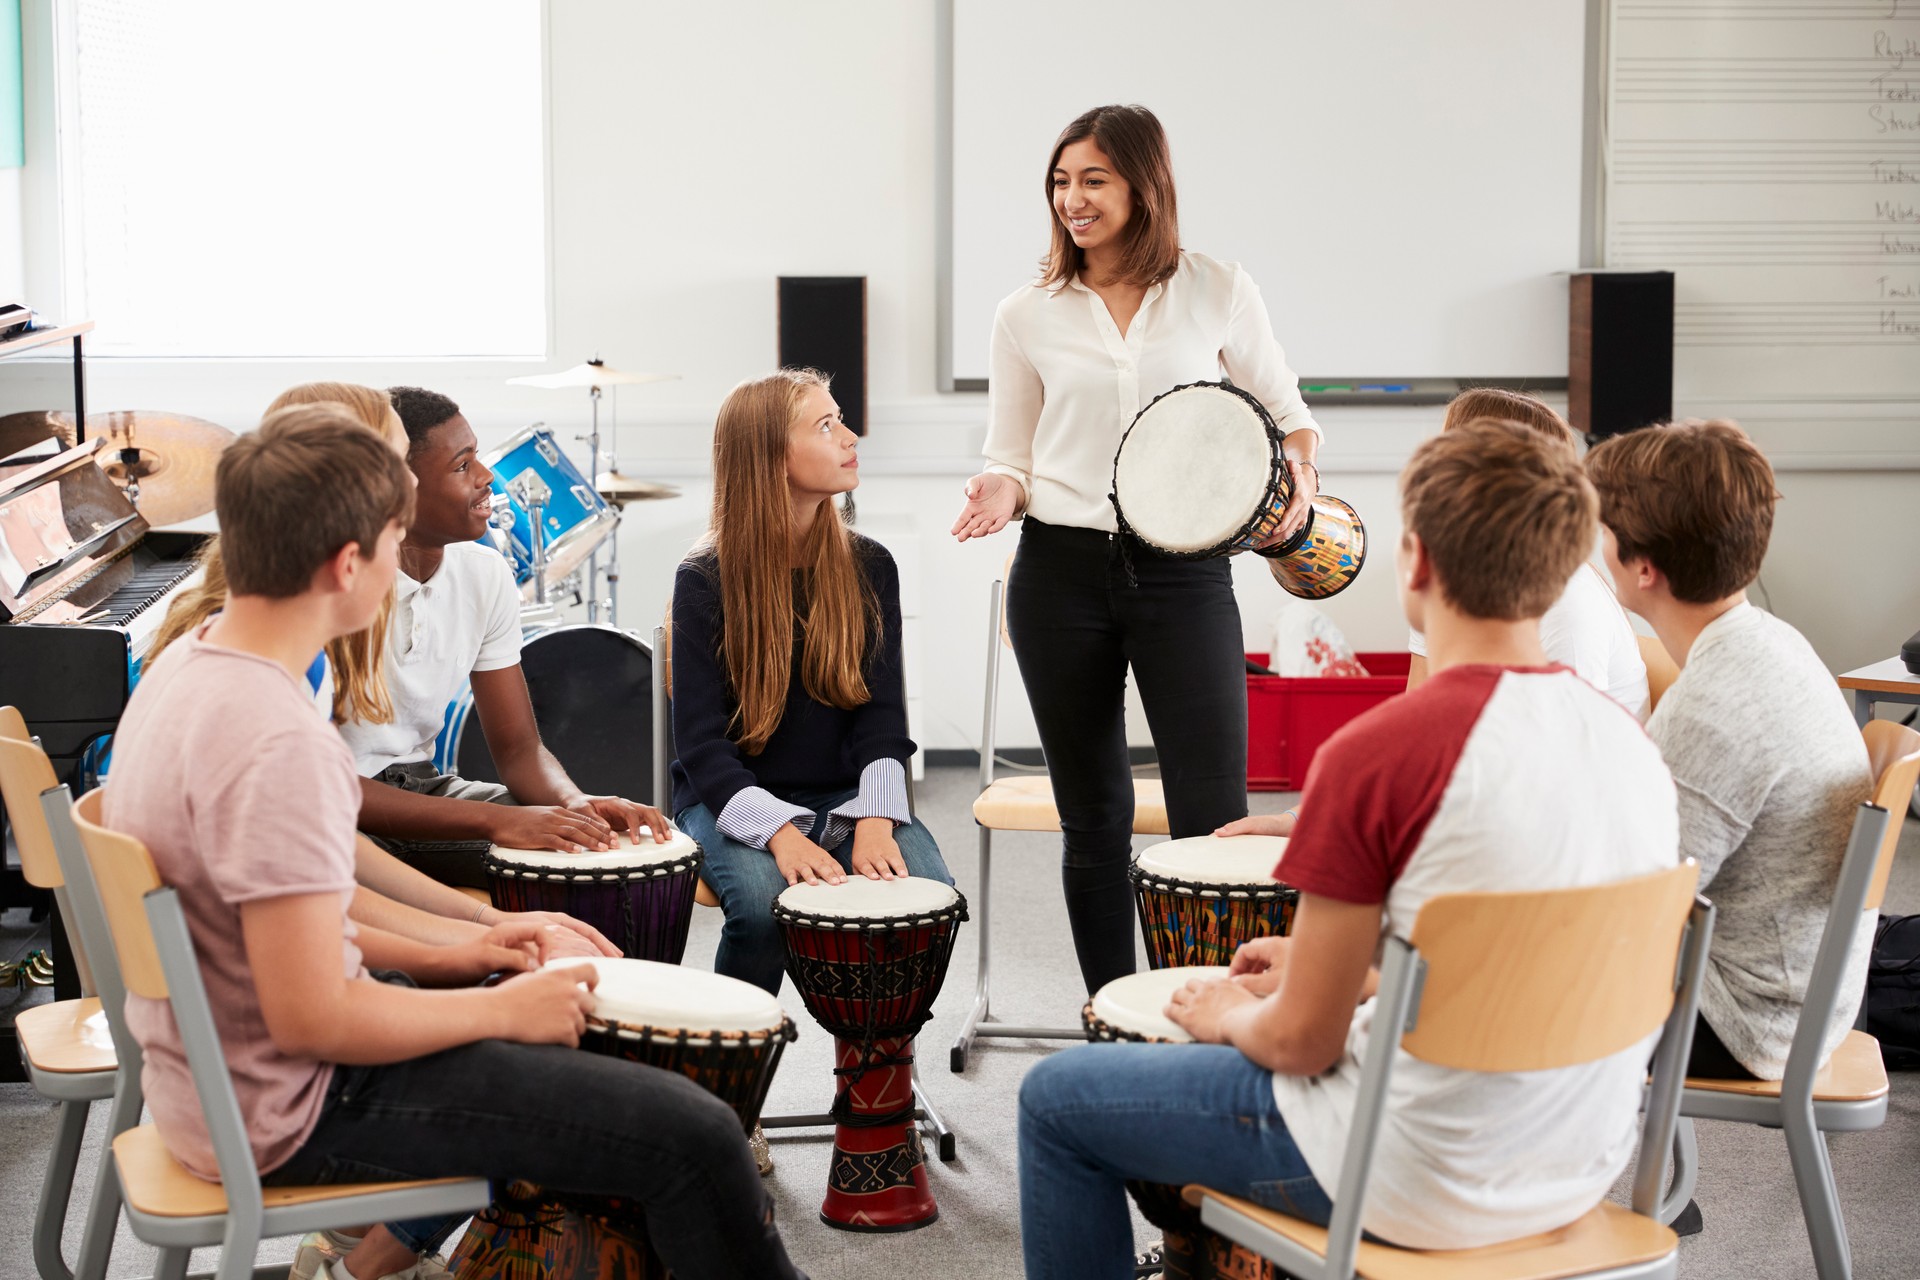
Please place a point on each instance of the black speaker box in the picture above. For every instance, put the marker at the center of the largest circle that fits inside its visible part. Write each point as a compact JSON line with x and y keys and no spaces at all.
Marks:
{"x":1620,"y":360}
{"x":823,"y":325}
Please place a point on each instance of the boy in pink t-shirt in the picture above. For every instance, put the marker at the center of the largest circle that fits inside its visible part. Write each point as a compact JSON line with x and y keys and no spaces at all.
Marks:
{"x":1487,"y":777}
{"x":248,"y":802}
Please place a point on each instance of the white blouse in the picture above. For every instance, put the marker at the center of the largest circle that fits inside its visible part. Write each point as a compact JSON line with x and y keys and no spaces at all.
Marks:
{"x":1064,"y":385}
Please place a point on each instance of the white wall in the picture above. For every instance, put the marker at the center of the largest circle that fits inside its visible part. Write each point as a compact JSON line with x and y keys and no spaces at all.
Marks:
{"x":699,"y":151}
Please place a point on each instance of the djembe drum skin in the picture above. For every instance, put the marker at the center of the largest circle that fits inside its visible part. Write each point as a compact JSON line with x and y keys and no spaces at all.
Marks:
{"x":869,"y":957}
{"x":639,"y":893}
{"x":1131,"y":1009}
{"x":1201,"y":897}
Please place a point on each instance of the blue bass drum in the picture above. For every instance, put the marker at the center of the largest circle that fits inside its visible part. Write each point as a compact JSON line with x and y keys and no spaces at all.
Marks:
{"x":576,"y":519}
{"x":592,"y":692}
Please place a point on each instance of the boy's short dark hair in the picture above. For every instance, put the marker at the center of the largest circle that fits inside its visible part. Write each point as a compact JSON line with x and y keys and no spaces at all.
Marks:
{"x":1694,"y":498}
{"x":420,"y":411}
{"x":1505,"y":514}
{"x":291,"y":494}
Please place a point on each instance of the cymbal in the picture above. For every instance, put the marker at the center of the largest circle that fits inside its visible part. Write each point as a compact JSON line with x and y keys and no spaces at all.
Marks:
{"x":594,"y":373}
{"x":620,"y":490}
{"x":169,"y":455}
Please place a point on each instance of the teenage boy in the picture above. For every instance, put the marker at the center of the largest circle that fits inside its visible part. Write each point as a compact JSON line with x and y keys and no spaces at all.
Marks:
{"x":248,"y":802}
{"x":1768,"y":761}
{"x":456,"y":619}
{"x":1483,"y":779}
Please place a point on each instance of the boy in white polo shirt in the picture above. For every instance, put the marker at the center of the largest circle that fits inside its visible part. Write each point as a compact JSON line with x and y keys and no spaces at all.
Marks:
{"x":1487,"y":777}
{"x":456,"y":620}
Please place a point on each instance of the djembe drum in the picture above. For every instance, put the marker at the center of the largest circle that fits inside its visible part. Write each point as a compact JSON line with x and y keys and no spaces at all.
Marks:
{"x":1200,"y":473}
{"x":868,"y":958}
{"x":1131,"y":1008}
{"x":638,"y":893}
{"x":724,"y":1035}
{"x":1201,"y":897}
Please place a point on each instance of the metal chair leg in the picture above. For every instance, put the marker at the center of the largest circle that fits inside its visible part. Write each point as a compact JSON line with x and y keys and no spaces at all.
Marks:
{"x":1686,"y":1171}
{"x":172,"y":1264}
{"x":1819,"y":1198}
{"x":931,"y":1124}
{"x":982,"y":908}
{"x":56,"y":1190}
{"x":103,"y":1214}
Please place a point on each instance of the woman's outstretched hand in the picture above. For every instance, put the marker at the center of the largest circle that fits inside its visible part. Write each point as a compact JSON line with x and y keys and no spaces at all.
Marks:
{"x":992,"y":500}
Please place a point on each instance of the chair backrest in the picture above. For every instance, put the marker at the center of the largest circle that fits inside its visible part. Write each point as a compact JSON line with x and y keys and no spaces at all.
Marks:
{"x":88,"y":920}
{"x":998,"y":640}
{"x":1536,"y":980}
{"x":25,"y":772}
{"x":123,"y":875}
{"x":1528,"y":981}
{"x":1661,"y":669}
{"x":1894,"y":753}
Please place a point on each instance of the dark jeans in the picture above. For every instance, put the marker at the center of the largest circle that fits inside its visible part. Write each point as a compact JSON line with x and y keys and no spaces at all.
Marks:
{"x":568,"y":1120}
{"x":1077,"y":624}
{"x":1710,"y":1058}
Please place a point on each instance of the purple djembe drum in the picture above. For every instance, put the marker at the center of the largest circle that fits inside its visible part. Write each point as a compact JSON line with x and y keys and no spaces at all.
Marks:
{"x":639,"y":893}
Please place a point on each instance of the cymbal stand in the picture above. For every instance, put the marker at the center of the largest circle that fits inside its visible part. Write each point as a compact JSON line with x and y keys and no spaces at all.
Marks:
{"x":533,"y":494}
{"x":593,"y":557}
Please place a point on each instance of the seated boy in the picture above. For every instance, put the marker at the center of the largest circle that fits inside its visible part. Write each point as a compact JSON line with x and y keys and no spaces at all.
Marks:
{"x":1486,"y":778}
{"x":248,"y":802}
{"x":456,"y":618}
{"x":1768,"y":761}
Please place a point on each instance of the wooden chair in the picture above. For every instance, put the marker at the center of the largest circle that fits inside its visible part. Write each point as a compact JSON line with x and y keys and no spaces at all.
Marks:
{"x":1516,"y":982}
{"x":167,"y":1206}
{"x":1848,"y":1092}
{"x":1020,"y":803}
{"x":65,"y":1044}
{"x":1661,"y":669}
{"x":932,"y":1124}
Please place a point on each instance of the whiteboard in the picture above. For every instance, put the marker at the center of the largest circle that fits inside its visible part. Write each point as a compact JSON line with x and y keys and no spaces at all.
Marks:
{"x":1402,"y":178}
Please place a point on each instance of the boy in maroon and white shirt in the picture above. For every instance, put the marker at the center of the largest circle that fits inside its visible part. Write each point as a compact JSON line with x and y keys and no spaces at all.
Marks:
{"x":1501,"y":773}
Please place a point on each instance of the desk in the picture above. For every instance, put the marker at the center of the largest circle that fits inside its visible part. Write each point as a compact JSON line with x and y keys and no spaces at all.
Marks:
{"x":1887,"y":681}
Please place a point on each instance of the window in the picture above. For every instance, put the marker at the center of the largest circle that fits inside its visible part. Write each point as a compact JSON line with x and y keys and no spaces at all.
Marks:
{"x":330,"y":178}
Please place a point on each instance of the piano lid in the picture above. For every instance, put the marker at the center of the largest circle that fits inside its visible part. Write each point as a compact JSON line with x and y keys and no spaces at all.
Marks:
{"x":61,"y":522}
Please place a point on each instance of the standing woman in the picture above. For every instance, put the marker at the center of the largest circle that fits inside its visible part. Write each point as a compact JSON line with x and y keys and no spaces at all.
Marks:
{"x":1121,"y":315}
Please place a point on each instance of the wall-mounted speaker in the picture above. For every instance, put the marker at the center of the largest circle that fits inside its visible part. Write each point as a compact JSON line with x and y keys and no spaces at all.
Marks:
{"x":823,"y":325}
{"x":1620,"y":358}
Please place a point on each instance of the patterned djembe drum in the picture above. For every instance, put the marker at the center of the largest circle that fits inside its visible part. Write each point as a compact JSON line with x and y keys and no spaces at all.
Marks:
{"x":868,"y":957}
{"x":1131,"y":1008}
{"x":638,"y":893}
{"x":1201,"y":897}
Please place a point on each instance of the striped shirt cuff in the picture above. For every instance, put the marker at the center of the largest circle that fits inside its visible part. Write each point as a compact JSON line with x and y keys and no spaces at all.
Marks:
{"x":755,"y":813}
{"x":883,"y":794}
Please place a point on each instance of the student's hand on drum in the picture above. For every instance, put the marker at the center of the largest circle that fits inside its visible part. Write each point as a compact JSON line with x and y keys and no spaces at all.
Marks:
{"x":992,"y":500}
{"x":876,"y":854}
{"x":1200,"y":1006}
{"x":1259,"y":824}
{"x":624,"y":815}
{"x":801,"y":859}
{"x":1259,"y":964}
{"x":545,"y":826}
{"x":1306,"y":487}
{"x":564,"y":935}
{"x":547,"y":1006}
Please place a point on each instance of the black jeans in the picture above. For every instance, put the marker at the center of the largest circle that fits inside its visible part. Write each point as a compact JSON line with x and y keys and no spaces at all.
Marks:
{"x":1080,"y":612}
{"x":568,"y":1120}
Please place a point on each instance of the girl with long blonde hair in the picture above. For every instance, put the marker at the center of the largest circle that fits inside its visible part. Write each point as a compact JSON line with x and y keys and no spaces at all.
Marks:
{"x":349,"y":683}
{"x":789,"y":706}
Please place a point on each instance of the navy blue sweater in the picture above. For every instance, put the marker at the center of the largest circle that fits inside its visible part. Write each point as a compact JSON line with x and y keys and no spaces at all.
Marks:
{"x":817,"y":747}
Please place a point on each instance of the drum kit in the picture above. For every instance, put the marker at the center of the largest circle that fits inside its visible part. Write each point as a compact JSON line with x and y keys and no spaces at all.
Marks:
{"x":1200,"y":473}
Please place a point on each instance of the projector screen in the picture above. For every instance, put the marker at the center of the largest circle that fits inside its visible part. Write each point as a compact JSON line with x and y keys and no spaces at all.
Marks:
{"x":1401,"y":178}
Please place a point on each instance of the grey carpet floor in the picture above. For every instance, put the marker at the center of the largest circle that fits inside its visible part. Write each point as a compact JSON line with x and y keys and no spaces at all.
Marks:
{"x":1746,"y":1190}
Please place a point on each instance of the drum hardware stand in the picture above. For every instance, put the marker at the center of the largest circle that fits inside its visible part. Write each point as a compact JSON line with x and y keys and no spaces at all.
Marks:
{"x":533,"y":494}
{"x":932,"y":1127}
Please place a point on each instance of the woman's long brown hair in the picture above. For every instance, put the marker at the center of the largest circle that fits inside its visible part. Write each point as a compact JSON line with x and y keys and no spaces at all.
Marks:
{"x":1133,"y":139}
{"x":751,"y":536}
{"x":359,"y":678}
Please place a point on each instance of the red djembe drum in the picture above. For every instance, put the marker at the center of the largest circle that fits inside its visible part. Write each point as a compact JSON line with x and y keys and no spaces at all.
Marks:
{"x":868,"y":958}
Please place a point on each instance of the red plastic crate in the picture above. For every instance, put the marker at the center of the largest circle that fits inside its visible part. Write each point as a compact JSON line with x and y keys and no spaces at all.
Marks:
{"x":1288,"y":717}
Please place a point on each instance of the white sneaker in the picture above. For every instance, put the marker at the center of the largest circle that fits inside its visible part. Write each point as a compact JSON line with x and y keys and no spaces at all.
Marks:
{"x":762,"y":1154}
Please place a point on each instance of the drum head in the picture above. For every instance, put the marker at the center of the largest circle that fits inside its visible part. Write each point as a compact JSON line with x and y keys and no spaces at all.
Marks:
{"x":592,"y":690}
{"x":627,"y":854}
{"x":645,"y":993}
{"x":1195,"y":467}
{"x":1134,"y":1003}
{"x":858,"y":898}
{"x":1229,"y":860}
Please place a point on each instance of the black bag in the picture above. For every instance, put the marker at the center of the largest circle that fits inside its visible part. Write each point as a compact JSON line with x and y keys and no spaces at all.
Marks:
{"x":1893,"y":991}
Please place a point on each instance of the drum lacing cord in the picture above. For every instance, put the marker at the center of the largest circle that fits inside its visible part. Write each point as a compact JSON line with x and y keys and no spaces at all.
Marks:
{"x":1120,"y":547}
{"x":842,"y":1108}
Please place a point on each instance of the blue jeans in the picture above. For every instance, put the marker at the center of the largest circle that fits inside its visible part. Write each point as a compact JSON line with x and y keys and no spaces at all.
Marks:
{"x":747,"y":880}
{"x":1095,"y":1116}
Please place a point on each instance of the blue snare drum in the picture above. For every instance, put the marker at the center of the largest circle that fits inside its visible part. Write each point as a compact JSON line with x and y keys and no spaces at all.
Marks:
{"x":576,"y":519}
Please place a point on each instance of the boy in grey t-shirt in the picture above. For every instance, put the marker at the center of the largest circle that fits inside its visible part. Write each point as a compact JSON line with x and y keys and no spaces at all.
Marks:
{"x":1764,"y":751}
